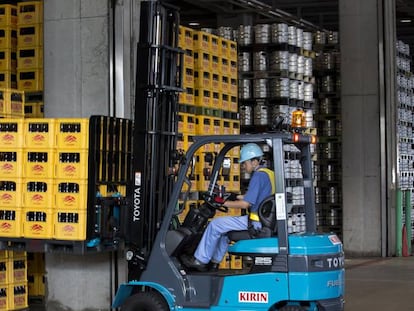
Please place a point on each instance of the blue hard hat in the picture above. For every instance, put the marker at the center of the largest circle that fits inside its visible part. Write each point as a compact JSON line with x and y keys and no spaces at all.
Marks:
{"x":250,"y":151}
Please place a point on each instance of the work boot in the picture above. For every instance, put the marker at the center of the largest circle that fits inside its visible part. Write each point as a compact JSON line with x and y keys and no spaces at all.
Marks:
{"x":213,"y":266}
{"x":194,"y":263}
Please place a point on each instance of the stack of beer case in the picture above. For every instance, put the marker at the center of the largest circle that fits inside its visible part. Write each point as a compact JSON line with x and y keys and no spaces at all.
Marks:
{"x":30,"y":46}
{"x":11,"y":100}
{"x":43,"y":178}
{"x":209,"y":106}
{"x":13,"y":280}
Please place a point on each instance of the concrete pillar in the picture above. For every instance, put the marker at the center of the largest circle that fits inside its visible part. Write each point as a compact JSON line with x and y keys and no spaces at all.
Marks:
{"x":363,"y":106}
{"x":77,"y":78}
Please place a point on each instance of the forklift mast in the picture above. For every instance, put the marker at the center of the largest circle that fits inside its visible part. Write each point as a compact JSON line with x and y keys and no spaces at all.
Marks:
{"x":158,"y":81}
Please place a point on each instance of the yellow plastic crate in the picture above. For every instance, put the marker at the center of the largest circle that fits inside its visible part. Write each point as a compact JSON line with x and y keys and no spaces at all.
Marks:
{"x":4,"y":273}
{"x":11,"y":192}
{"x":223,"y":47}
{"x":11,"y":131}
{"x":8,"y":59}
{"x":16,"y":103}
{"x":29,"y":58}
{"x":202,"y":60}
{"x":11,"y":222}
{"x":233,"y":87}
{"x":72,"y":133}
{"x":201,"y":40}
{"x":233,"y":104}
{"x":235,"y":125}
{"x":38,"y":193}
{"x":233,"y":69}
{"x":225,"y":84}
{"x":30,"y":12}
{"x":188,"y":59}
{"x":202,"y":98}
{"x":8,"y":15}
{"x":18,"y":295}
{"x":216,"y":82}
{"x":8,"y":37}
{"x":11,"y":162}
{"x":202,"y":79}
{"x":36,"y":284}
{"x":186,"y":123}
{"x":216,"y":100}
{"x":225,"y":102}
{"x":4,"y":299}
{"x":17,"y":269}
{"x":4,"y":254}
{"x":71,"y":164}
{"x":71,"y":194}
{"x":30,"y":79}
{"x":186,"y":97}
{"x":232,"y":55}
{"x":34,"y":110}
{"x":185,"y":37}
{"x":224,"y":66}
{"x":188,"y":79}
{"x":236,"y":262}
{"x":29,"y":35}
{"x":204,"y":125}
{"x":37,"y":223}
{"x":215,"y":64}
{"x":39,"y":163}
{"x":70,"y":225}
{"x":39,"y":133}
{"x":217,"y":126}
{"x":215,"y":45}
{"x":8,"y":79}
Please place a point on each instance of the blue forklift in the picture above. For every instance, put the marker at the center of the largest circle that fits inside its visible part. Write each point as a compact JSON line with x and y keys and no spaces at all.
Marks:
{"x":282,"y":271}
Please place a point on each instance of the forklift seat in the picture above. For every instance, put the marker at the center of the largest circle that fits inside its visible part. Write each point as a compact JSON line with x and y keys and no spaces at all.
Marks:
{"x":267,"y":216}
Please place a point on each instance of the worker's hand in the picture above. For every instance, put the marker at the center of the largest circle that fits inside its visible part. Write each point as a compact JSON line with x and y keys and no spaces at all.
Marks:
{"x":231,"y":196}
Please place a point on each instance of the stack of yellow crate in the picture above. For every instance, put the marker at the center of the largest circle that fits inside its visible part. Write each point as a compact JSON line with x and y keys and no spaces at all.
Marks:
{"x":210,"y":102}
{"x":8,"y":46}
{"x":43,"y":178}
{"x":71,"y":186}
{"x":13,"y":280}
{"x":30,"y":46}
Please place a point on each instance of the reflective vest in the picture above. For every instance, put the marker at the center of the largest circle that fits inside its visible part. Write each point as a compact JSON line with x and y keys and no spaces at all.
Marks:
{"x":271,"y":174}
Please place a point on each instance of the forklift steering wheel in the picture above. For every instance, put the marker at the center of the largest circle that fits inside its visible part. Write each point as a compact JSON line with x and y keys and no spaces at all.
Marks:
{"x":215,"y":202}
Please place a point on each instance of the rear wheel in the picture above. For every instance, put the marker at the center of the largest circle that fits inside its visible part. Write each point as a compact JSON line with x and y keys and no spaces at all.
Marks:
{"x":145,"y":301}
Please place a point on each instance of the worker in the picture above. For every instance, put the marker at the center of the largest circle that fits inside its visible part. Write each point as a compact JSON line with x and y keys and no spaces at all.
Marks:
{"x":214,"y":242}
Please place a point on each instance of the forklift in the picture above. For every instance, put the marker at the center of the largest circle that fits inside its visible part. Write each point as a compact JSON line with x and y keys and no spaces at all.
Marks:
{"x":282,"y":271}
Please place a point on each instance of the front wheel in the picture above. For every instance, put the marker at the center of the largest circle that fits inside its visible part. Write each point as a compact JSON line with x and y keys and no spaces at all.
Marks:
{"x":145,"y":301}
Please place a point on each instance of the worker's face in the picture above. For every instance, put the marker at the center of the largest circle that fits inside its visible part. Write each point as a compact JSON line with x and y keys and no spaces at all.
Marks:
{"x":248,"y":166}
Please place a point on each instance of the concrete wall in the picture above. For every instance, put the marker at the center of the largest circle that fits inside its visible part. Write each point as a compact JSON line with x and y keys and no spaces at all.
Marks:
{"x":76,"y":58}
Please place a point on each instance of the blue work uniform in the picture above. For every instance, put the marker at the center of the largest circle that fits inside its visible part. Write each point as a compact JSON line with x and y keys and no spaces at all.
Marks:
{"x":214,"y":243}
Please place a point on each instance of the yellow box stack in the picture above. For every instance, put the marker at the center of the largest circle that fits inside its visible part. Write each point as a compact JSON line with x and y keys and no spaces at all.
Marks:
{"x":211,"y":96}
{"x":8,"y":46}
{"x":50,"y":201}
{"x":30,"y":46}
{"x":13,"y":280}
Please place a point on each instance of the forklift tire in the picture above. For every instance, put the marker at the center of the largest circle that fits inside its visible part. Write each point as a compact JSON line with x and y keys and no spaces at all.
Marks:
{"x":145,"y":301}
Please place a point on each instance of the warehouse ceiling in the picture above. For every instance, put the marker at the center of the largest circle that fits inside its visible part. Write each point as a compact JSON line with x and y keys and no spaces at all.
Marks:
{"x":312,"y":14}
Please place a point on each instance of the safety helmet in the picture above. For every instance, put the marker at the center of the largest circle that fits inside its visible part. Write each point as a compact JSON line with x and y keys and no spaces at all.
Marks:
{"x":250,"y":151}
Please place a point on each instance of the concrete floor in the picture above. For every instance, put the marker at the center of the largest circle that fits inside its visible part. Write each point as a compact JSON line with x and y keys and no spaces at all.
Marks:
{"x":380,"y":284}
